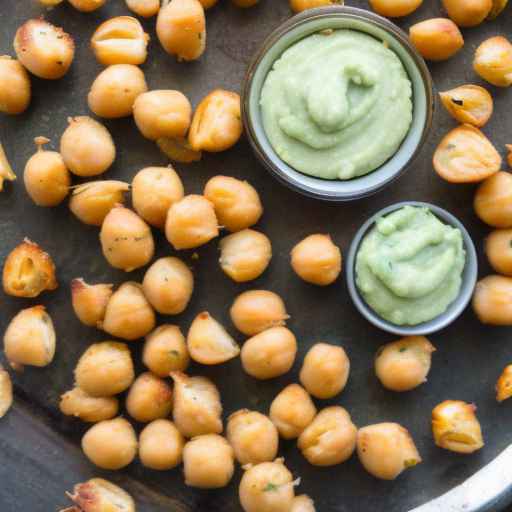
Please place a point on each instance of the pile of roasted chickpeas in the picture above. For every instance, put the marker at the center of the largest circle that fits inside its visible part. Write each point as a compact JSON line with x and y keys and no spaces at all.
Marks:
{"x":184,"y":420}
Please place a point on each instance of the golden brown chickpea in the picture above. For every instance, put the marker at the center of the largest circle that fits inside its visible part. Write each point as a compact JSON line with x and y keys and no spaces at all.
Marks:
{"x":5,"y":392}
{"x":144,"y":8}
{"x":126,"y":240}
{"x":386,"y":450}
{"x":15,"y":88}
{"x":503,"y":386}
{"x":468,"y":13}
{"x":178,"y":149}
{"x":208,"y":462}
{"x":98,"y":495}
{"x":110,"y":444}
{"x":87,"y":147}
{"x":302,"y":5}
{"x":317,"y":260}
{"x":436,"y":39}
{"x":44,"y":49}
{"x":270,"y":353}
{"x":303,"y":503}
{"x":492,"y":300}
{"x":161,"y":445}
{"x":30,"y":338}
{"x":115,"y":90}
{"x":50,"y":3}
{"x":325,"y":370}
{"x":255,"y":311}
{"x":498,"y":247}
{"x":191,"y":222}
{"x":165,"y":351}
{"x":237,"y":203}
{"x":149,"y":398}
{"x":395,"y":8}
{"x":493,"y":200}
{"x":128,"y":314}
{"x":245,"y":255}
{"x":181,"y":29}
{"x":46,"y":177}
{"x":291,"y":411}
{"x":456,"y":428}
{"x":6,"y":172}
{"x":244,"y":4}
{"x":168,"y":285}
{"x":493,"y":61}
{"x":105,"y":369}
{"x":469,"y":103}
{"x":87,"y":5}
{"x":330,"y":439}
{"x":208,"y":3}
{"x":154,"y":191}
{"x":79,"y":404}
{"x":197,"y":408}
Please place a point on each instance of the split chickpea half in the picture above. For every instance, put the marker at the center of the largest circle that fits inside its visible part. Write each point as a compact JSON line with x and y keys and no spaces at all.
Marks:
{"x":503,"y":386}
{"x":15,"y":88}
{"x":76,"y":402}
{"x":492,"y":300}
{"x":6,"y":172}
{"x":90,"y":301}
{"x":98,"y":495}
{"x":161,"y":445}
{"x":144,"y":8}
{"x":468,"y":103}
{"x":493,"y":61}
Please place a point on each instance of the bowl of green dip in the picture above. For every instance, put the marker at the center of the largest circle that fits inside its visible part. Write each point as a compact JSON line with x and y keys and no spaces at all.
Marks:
{"x":337,"y":103}
{"x":411,"y":269}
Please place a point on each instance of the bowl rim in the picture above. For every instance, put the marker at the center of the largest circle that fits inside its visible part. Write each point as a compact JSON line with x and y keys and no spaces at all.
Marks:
{"x":454,"y":310}
{"x":304,"y":18}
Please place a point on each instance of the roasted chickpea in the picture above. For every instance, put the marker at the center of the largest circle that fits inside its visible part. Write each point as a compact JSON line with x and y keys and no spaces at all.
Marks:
{"x":144,"y":8}
{"x":161,"y":114}
{"x":492,"y":300}
{"x":98,"y":495}
{"x":165,"y":351}
{"x":87,"y":147}
{"x":115,"y":90}
{"x":497,"y":8}
{"x":79,"y":404}
{"x":6,"y":172}
{"x":149,"y":398}
{"x":128,"y":314}
{"x":244,"y":4}
{"x":161,"y":445}
{"x":181,"y":29}
{"x":46,"y":177}
{"x":105,"y":369}
{"x":503,"y":386}
{"x":44,"y":49}
{"x":253,"y":436}
{"x":50,"y":3}
{"x":237,"y":203}
{"x":498,"y":247}
{"x":120,"y":40}
{"x":468,"y":13}
{"x":255,"y":311}
{"x":456,"y":427}
{"x":110,"y":444}
{"x":303,"y":503}
{"x":208,"y":462}
{"x":395,"y":8}
{"x":493,"y":61}
{"x":436,"y":39}
{"x":470,"y":104}
{"x":493,"y":200}
{"x":386,"y":450}
{"x":5,"y":392}
{"x":87,"y":5}
{"x":191,"y":222}
{"x":197,"y":408}
{"x":126,"y":240}
{"x":178,"y":149}
{"x":270,"y":353}
{"x":15,"y":88}
{"x":302,"y":5}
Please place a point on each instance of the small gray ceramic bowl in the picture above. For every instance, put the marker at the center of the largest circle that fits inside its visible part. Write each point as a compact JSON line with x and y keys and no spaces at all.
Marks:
{"x":469,"y":276}
{"x":301,"y":26}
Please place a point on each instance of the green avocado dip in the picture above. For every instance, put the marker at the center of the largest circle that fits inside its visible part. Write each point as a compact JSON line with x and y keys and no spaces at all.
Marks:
{"x":409,"y":266}
{"x":337,"y":104}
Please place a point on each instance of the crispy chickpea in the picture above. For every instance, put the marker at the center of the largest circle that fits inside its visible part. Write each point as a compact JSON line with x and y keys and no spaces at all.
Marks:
{"x":503,"y":386}
{"x":386,"y":450}
{"x":255,"y":311}
{"x":161,"y":445}
{"x":128,"y":314}
{"x":270,"y":353}
{"x":197,"y":408}
{"x":87,"y":5}
{"x":105,"y":369}
{"x":468,"y":13}
{"x":46,"y":177}
{"x":302,"y":5}
{"x":395,"y":8}
{"x":469,"y":103}
{"x":30,"y":338}
{"x":191,"y":222}
{"x":404,"y":364}
{"x":165,"y":351}
{"x":291,"y":411}
{"x":178,"y":149}
{"x":79,"y":404}
{"x":6,"y":172}
{"x":144,"y":8}
{"x":436,"y":39}
{"x":492,"y":300}
{"x":87,"y":147}
{"x":245,"y":255}
{"x":303,"y":503}
{"x":456,"y":428}
{"x":325,"y":370}
{"x":208,"y":462}
{"x":493,"y":200}
{"x":110,"y":444}
{"x":330,"y":438}
{"x":498,"y":247}
{"x":98,"y":495}
{"x":181,"y":29}
{"x":244,"y":4}
{"x":5,"y":392}
{"x":149,"y":398}
{"x":126,"y":240}
{"x":15,"y":88}
{"x":493,"y":61}
{"x":44,"y":49}
{"x":267,"y":487}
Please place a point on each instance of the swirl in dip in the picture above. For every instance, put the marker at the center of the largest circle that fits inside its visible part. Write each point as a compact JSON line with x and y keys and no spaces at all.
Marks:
{"x":337,"y":104}
{"x":409,"y":266}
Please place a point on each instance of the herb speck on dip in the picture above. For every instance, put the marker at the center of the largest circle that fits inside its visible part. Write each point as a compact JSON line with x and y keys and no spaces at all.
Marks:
{"x":337,"y":104}
{"x":409,"y":266}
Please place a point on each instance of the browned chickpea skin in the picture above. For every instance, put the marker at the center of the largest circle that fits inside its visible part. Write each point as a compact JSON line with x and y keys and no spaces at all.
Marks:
{"x":15,"y":88}
{"x":149,"y":398}
{"x":6,"y":172}
{"x":144,"y":8}
{"x":98,"y":495}
{"x":395,"y":8}
{"x":76,"y":402}
{"x":504,"y":385}
{"x":493,"y":61}
{"x":161,"y":445}
{"x":498,"y":248}
{"x":90,"y":301}
{"x":302,"y":5}
{"x":87,"y":5}
{"x":469,"y":103}
{"x":492,"y":300}
{"x":178,"y":149}
{"x":5,"y":392}
{"x":493,"y":200}
{"x":468,"y":13}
